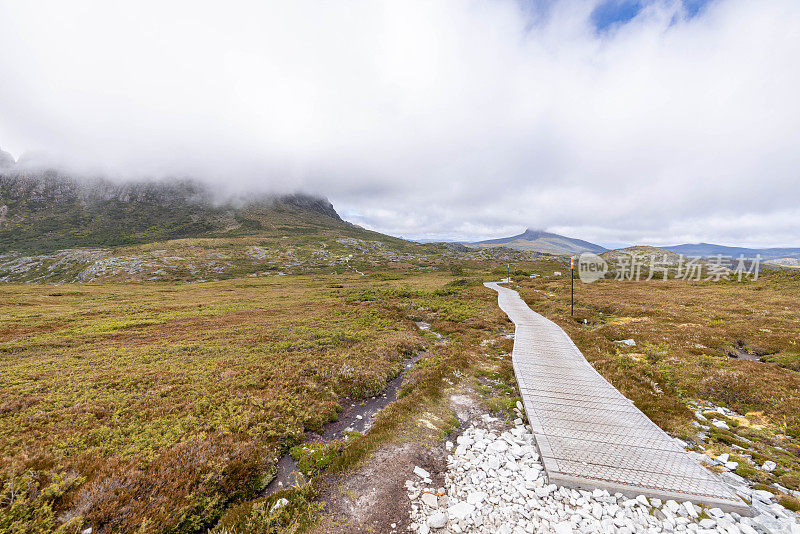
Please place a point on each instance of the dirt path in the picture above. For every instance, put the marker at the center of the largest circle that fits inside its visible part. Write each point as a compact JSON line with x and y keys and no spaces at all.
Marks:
{"x":373,"y":497}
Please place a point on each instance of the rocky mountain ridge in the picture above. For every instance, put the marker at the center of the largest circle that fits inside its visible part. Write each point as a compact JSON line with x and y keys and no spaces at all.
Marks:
{"x":45,"y":210}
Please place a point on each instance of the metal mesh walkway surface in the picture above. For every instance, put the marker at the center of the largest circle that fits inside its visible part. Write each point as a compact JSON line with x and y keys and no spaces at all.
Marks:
{"x":588,"y":434}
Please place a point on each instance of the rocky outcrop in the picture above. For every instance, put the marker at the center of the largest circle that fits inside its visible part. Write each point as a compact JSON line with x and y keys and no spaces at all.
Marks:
{"x":452,"y":247}
{"x":313,"y":203}
{"x":6,"y":159}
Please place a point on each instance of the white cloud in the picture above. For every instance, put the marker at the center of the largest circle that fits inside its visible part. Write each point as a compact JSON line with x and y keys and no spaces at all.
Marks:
{"x":447,"y":118}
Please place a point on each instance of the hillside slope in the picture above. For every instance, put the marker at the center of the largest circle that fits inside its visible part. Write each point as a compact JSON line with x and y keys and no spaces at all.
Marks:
{"x":643,"y":253}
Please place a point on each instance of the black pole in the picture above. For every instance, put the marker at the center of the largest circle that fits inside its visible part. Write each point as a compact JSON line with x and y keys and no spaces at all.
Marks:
{"x":571,"y":286}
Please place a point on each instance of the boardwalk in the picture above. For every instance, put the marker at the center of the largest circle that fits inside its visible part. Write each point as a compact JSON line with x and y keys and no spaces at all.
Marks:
{"x":588,"y":434}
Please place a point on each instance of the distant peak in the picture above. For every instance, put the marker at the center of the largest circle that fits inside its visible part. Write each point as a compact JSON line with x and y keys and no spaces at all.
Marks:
{"x":533,"y":233}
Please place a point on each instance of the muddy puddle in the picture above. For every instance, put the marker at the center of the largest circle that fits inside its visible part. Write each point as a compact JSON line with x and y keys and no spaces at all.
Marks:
{"x":744,"y":356}
{"x":422,"y":325}
{"x":505,"y":334}
{"x":740,"y":351}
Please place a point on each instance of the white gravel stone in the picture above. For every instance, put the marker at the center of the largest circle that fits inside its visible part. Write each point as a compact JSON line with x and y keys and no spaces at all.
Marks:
{"x":476,"y":497}
{"x":460,"y":510}
{"x":465,"y":440}
{"x":421,"y":473}
{"x":496,"y":484}
{"x":499,"y":445}
{"x":673,"y":506}
{"x":763,"y":495}
{"x":690,"y":508}
{"x":430,"y":500}
{"x":437,"y":520}
{"x":280,"y":503}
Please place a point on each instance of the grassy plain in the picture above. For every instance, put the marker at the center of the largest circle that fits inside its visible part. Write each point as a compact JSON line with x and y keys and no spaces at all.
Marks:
{"x":163,"y":406}
{"x":156,"y":406}
{"x":124,"y":404}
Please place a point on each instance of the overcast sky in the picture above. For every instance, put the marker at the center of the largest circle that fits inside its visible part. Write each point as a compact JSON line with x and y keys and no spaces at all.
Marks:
{"x":614,"y":121}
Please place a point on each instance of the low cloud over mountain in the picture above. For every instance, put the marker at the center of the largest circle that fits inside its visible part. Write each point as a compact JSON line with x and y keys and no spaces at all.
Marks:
{"x":440,"y":120}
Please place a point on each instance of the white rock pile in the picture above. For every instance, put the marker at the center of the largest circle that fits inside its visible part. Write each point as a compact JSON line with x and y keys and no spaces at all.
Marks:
{"x":495,"y":483}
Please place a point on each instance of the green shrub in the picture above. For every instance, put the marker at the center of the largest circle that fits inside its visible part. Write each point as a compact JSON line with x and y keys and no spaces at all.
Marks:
{"x":789,"y":502}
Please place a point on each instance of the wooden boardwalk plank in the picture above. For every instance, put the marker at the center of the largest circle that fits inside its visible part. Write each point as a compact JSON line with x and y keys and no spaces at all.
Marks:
{"x":588,"y":434}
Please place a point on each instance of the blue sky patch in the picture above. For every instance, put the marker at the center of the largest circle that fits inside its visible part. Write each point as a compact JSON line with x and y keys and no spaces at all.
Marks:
{"x":614,"y":12}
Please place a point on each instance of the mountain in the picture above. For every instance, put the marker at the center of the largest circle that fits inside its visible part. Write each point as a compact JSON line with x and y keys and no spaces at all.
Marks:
{"x":60,"y":228}
{"x":539,"y":241}
{"x":46,"y":211}
{"x":708,"y":249}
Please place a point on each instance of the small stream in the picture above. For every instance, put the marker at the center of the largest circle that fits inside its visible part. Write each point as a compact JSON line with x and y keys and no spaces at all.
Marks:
{"x":356,"y":415}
